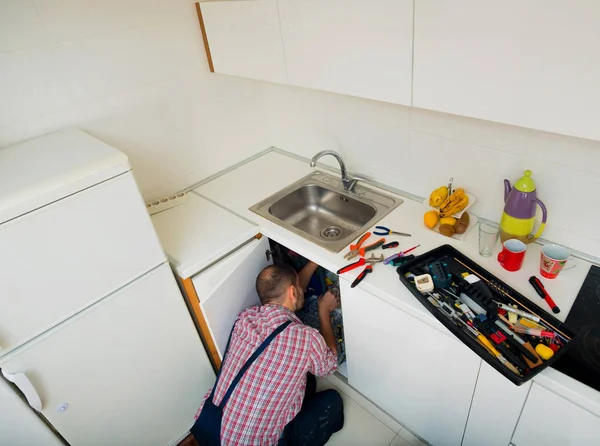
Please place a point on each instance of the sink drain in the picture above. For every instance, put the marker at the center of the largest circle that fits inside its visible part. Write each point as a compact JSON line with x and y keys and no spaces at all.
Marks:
{"x":331,"y":232}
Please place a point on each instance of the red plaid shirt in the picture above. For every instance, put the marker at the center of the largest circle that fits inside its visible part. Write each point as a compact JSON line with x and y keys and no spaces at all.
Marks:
{"x":271,"y":392}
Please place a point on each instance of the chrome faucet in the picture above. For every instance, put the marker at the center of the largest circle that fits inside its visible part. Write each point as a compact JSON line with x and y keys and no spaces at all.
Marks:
{"x":349,"y":183}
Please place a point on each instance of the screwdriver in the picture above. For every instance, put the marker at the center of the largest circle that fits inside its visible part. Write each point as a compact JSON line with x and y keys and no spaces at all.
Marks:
{"x":521,"y":344}
{"x":488,"y":345}
{"x":399,"y":254}
{"x":451,"y":313}
{"x":531,"y":317}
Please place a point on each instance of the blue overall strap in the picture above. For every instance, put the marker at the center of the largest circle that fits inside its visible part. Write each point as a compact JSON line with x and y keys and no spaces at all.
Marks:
{"x":249,"y":362}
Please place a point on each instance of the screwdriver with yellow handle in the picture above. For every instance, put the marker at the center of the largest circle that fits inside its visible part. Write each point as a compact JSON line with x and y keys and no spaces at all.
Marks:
{"x":451,"y":313}
{"x":488,"y":345}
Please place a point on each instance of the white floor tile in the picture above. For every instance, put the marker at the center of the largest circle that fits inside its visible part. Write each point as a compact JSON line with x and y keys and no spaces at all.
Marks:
{"x":399,"y":441}
{"x":366,"y":404}
{"x":360,"y":427}
{"x":411,"y":438}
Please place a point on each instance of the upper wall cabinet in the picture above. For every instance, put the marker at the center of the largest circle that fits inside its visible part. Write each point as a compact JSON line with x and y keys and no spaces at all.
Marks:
{"x":243,"y":38}
{"x":532,"y":63}
{"x":351,"y":47}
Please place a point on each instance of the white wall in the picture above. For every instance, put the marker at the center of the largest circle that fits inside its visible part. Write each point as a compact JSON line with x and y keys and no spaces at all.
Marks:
{"x":132,"y":73}
{"x":417,"y":150}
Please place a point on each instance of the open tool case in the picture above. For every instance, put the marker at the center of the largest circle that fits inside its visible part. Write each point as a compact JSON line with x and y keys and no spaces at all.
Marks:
{"x":453,"y":286}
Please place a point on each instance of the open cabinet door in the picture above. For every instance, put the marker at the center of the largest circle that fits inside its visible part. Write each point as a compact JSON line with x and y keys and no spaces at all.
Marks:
{"x":228,"y":287}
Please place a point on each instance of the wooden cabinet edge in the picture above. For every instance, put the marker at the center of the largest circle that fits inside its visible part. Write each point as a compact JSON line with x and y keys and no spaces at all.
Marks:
{"x":194,"y":304}
{"x":205,"y":37}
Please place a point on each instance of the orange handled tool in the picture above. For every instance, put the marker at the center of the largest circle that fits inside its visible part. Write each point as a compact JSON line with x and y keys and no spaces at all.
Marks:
{"x":371,"y":247}
{"x":356,"y":246}
{"x":360,"y":241}
{"x":358,"y":251}
{"x":362,"y":251}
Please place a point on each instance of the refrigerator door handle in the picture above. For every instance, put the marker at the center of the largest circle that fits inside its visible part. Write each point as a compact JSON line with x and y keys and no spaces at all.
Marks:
{"x":22,"y":382}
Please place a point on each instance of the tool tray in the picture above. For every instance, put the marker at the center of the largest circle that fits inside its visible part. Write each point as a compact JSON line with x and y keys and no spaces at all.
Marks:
{"x":499,"y":290}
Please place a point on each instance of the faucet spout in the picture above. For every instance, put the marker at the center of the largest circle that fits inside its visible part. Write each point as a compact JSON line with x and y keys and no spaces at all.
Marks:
{"x":348,"y":182}
{"x":337,"y":156}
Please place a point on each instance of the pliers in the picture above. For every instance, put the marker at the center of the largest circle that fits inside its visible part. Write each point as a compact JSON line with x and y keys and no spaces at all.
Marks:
{"x":357,"y":249}
{"x":362,"y":261}
{"x":370,"y":261}
{"x":382,"y":230}
{"x":369,"y":269}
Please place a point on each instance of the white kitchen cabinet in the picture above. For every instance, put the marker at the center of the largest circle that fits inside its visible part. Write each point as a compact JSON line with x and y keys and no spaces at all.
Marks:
{"x":216,"y":256}
{"x":351,"y":47}
{"x":243,"y":38}
{"x":551,"y":420}
{"x":421,"y":377}
{"x":198,"y":233}
{"x":19,"y":424}
{"x":128,"y":370}
{"x":495,"y":410}
{"x":62,"y":257}
{"x":228,"y":287}
{"x":531,"y":63}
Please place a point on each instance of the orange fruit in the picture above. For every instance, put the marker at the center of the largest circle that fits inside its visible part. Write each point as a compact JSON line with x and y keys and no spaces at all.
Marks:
{"x":431,"y":219}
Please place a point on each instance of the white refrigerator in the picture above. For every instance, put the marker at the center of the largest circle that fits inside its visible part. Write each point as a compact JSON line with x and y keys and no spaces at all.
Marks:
{"x":93,"y":328}
{"x":19,"y":424}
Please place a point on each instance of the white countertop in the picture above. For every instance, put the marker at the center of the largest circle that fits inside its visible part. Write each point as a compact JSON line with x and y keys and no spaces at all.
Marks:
{"x":256,"y":180}
{"x":197,"y":233}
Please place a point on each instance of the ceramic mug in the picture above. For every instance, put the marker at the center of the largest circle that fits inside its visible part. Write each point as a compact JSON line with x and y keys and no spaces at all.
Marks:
{"x":512,"y":255}
{"x":553,"y":260}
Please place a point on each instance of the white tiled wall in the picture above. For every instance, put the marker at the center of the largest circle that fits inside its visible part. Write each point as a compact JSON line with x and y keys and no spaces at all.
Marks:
{"x":132,"y":73}
{"x":418,"y":150}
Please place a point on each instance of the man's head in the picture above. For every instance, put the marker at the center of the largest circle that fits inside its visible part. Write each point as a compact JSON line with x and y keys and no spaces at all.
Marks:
{"x":279,"y":284}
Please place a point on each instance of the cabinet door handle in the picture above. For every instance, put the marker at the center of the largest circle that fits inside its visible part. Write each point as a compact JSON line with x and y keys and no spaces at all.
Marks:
{"x":22,"y":382}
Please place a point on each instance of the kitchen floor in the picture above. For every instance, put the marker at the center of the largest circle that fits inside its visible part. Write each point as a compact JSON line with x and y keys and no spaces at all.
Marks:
{"x":364,"y":423}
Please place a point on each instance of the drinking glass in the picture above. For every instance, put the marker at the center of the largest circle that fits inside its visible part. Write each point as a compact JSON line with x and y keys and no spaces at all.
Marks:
{"x":488,"y":237}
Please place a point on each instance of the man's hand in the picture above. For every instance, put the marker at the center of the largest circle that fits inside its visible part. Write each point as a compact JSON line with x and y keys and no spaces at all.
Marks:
{"x":328,"y":302}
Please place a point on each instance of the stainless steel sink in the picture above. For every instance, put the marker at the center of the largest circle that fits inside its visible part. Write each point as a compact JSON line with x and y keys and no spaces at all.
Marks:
{"x":319,"y":209}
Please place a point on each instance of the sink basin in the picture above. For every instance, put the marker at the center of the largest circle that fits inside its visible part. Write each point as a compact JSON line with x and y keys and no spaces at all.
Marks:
{"x":319,"y":209}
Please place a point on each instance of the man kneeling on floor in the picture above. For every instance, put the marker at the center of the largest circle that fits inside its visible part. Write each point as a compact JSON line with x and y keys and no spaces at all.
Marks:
{"x":265,"y":392}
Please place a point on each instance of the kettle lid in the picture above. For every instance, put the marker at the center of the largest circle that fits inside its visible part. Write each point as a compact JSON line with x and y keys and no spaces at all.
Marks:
{"x":525,"y":183}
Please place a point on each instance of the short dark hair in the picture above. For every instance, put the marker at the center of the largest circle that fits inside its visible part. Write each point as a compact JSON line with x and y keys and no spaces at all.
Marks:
{"x":273,"y":281}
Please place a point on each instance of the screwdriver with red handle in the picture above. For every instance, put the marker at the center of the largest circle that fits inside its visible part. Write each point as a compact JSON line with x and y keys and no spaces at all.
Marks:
{"x":539,"y":288}
{"x":362,"y":275}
